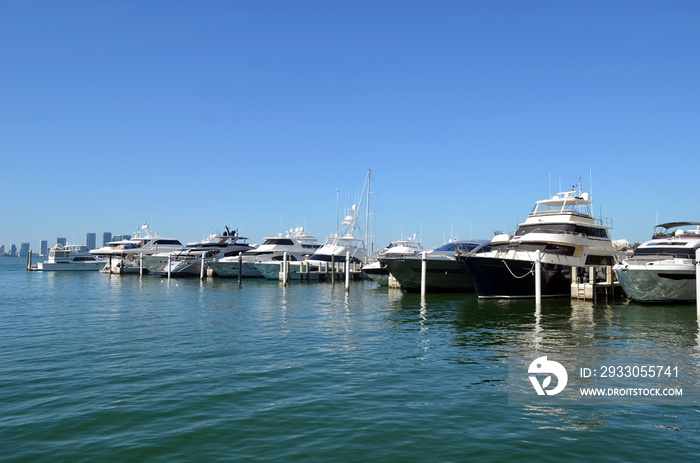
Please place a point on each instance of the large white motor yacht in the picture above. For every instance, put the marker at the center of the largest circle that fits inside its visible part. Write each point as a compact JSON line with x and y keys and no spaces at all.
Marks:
{"x":561,"y":232}
{"x":663,"y":268}
{"x":124,"y":256}
{"x":190,"y":261}
{"x":295,"y":242}
{"x":71,"y":257}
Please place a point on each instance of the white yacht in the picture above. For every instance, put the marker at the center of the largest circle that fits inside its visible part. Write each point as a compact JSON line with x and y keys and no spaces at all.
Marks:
{"x":337,"y":246}
{"x":562,"y":231}
{"x":189,"y":261}
{"x":663,"y":268}
{"x":377,"y":268}
{"x":71,"y":257}
{"x":295,"y":242}
{"x":124,"y":256}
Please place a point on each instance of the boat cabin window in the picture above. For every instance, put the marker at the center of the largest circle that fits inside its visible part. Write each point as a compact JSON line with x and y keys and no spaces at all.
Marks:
{"x":563,"y":228}
{"x":283,"y":241}
{"x":165,"y":241}
{"x":666,"y":249}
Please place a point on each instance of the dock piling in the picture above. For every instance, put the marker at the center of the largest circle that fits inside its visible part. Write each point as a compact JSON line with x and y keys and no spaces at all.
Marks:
{"x":697,"y":280}
{"x":538,"y":278}
{"x":423,"y":272}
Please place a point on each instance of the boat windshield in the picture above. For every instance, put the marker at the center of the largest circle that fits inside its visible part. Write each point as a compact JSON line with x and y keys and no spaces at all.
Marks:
{"x":457,"y":246}
{"x":666,"y":250}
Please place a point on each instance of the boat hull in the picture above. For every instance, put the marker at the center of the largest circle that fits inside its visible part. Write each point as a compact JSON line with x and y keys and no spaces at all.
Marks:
{"x":298,"y":270}
{"x":89,"y":266}
{"x":230,"y":269}
{"x":377,"y":273}
{"x":500,"y":278}
{"x":441,"y":274}
{"x":658,"y":282}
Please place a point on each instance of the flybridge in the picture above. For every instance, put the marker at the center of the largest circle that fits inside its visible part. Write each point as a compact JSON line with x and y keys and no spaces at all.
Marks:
{"x":566,"y":202}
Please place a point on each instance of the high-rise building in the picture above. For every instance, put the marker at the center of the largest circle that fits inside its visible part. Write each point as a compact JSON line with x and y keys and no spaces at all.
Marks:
{"x":91,"y":240}
{"x":106,"y":238}
{"x":13,"y":250}
{"x":61,"y":241}
{"x":44,"y":248}
{"x":2,"y":249}
{"x":23,"y":249}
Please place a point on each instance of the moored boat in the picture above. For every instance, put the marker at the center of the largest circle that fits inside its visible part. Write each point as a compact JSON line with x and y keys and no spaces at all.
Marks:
{"x":560,"y":233}
{"x":125,"y":256}
{"x":378,"y":271}
{"x":70,"y":257}
{"x":663,"y":269}
{"x":295,"y":243}
{"x":194,"y":259}
{"x":443,"y":272}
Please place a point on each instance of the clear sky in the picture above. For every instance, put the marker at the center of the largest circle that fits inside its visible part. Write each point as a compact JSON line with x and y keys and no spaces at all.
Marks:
{"x":259,"y":114}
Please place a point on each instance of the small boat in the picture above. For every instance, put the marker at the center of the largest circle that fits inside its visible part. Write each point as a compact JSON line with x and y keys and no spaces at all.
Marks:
{"x":561,"y":232}
{"x":443,"y":272}
{"x":70,"y":257}
{"x":663,"y":268}
{"x":295,"y":242}
{"x":378,"y":271}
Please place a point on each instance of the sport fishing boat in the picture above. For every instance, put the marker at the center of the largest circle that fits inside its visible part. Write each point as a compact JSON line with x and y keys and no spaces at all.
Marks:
{"x":295,"y":242}
{"x":560,"y":232}
{"x":70,"y":257}
{"x":663,"y":268}
{"x":337,"y":246}
{"x":378,"y":271}
{"x":443,"y":272}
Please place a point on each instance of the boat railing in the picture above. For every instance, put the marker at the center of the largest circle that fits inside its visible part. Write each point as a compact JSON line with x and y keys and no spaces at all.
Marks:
{"x":604,"y":221}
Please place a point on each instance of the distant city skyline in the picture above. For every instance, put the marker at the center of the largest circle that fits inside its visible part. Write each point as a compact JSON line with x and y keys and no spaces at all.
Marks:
{"x":43,"y":247}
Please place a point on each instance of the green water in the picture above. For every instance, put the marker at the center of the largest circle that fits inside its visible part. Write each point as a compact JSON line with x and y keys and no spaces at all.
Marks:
{"x":126,"y":368}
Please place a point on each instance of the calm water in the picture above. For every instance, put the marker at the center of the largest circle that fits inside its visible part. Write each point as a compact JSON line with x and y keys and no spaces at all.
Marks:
{"x":96,"y":367}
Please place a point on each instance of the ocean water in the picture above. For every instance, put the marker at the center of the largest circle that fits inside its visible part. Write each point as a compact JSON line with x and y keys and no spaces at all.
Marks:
{"x":97,"y":367}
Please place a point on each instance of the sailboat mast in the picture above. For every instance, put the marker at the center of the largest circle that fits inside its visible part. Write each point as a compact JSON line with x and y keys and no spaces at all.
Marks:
{"x":369,"y":183}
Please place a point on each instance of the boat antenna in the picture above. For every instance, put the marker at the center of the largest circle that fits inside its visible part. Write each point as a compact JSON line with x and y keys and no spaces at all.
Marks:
{"x":337,"y":218}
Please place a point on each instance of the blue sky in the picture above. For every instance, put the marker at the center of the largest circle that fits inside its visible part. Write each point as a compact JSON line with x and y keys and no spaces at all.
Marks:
{"x":195,"y":115}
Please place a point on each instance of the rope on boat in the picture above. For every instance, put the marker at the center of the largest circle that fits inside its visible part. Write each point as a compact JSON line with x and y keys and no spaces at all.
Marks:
{"x":532,"y":269}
